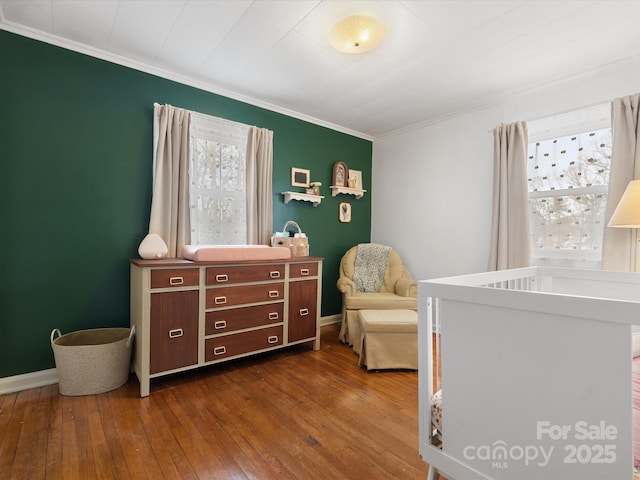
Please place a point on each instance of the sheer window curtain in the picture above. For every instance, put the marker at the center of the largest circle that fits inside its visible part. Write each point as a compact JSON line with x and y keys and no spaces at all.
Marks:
{"x":510,"y":225}
{"x":258,"y":183}
{"x":625,"y":166}
{"x":170,"y":201}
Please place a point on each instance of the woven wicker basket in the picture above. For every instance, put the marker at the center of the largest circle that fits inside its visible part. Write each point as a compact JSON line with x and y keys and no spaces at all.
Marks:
{"x":92,"y":361}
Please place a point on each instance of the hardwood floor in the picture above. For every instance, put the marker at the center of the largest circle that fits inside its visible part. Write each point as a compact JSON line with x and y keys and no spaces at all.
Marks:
{"x":292,"y":414}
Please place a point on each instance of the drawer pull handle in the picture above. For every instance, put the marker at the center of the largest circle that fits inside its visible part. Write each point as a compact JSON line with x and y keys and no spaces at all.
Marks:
{"x":175,"y":333}
{"x":220,"y":324}
{"x":273,"y":315}
{"x":220,"y":300}
{"x":222,"y":278}
{"x":274,"y":294}
{"x":176,"y":280}
{"x":220,"y":350}
{"x":274,"y":274}
{"x":273,"y":339}
{"x":304,"y":271}
{"x":304,"y":311}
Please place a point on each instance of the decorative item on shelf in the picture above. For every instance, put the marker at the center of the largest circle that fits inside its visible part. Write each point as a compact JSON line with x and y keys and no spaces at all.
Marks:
{"x":355,"y":179}
{"x":352,"y":184}
{"x":340,"y":174}
{"x":344,"y":212}
{"x":297,"y":242}
{"x":315,"y":188}
{"x":300,"y":177}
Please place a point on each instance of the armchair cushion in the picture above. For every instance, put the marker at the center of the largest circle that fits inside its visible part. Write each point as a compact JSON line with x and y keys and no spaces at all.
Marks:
{"x":380,"y":301}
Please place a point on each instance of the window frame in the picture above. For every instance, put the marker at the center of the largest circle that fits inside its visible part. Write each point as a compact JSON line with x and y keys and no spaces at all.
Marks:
{"x":222,"y":132}
{"x":573,"y":123}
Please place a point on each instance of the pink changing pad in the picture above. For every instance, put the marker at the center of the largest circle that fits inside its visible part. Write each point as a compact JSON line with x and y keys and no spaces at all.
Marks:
{"x":227,"y":253}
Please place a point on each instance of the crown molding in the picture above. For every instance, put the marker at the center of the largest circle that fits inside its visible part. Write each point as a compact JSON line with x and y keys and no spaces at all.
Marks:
{"x":169,"y":75}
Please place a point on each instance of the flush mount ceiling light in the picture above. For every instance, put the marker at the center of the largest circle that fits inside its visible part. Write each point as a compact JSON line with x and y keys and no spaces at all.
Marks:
{"x":357,"y":34}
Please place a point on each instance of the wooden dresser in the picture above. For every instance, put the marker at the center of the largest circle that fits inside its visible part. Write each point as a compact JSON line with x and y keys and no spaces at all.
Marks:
{"x":190,"y":314}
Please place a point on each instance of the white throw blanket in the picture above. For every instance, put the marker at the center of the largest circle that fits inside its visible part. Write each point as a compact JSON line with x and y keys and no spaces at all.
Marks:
{"x":370,"y":266}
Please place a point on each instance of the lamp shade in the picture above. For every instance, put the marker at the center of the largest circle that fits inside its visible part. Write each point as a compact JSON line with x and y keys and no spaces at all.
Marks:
{"x":627,"y":213}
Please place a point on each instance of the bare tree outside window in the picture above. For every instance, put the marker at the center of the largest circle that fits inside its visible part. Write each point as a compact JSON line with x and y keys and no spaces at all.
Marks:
{"x":217,"y":182}
{"x":568,"y":178}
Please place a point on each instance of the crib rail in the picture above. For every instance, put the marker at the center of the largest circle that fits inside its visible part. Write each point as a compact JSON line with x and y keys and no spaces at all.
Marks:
{"x":492,"y":278}
{"x":526,"y":284}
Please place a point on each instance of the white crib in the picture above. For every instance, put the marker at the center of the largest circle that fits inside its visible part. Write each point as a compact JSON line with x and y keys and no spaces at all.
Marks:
{"x":536,"y":374}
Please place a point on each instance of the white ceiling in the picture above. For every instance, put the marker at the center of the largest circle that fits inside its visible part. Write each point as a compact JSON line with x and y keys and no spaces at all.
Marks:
{"x":440,"y":58}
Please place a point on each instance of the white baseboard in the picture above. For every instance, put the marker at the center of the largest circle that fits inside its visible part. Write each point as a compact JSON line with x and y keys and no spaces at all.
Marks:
{"x":330,"y":320}
{"x":26,"y":381}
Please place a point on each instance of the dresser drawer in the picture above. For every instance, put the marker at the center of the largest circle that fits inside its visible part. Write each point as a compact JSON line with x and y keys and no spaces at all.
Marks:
{"x":297,"y":270}
{"x":244,"y":274}
{"x":303,"y":312}
{"x":223,"y":321}
{"x":239,"y":343}
{"x":175,"y":277}
{"x":173,"y":331}
{"x":229,"y":296}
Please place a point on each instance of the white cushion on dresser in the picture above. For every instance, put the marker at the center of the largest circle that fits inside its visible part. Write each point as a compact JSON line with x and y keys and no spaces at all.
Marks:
{"x":230,"y":253}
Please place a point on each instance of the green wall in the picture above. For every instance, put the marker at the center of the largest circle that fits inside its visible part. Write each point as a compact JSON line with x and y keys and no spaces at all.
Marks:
{"x":76,"y":155}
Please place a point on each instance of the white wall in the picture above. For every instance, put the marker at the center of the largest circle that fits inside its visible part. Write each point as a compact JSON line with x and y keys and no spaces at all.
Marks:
{"x":432,"y":186}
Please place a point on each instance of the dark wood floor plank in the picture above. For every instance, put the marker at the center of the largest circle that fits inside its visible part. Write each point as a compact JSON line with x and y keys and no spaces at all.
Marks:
{"x":28,"y":461}
{"x":138,"y":455}
{"x":195,"y":444}
{"x":104,"y":465}
{"x":112,"y":435}
{"x":286,"y":415}
{"x":9,"y":417}
{"x":171,"y":458}
{"x":247,"y":425}
{"x":371,"y":437}
{"x":251,"y":452}
{"x":14,"y":431}
{"x":54,"y":436}
{"x":286,"y":430}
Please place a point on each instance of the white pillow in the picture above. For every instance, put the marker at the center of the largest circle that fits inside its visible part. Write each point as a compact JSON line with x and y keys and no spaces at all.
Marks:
{"x":635,"y":346}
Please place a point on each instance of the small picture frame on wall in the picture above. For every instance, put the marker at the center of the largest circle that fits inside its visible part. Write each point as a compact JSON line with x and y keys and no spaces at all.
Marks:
{"x":344,"y":212}
{"x":340,"y":175}
{"x":300,"y":177}
{"x":355,"y":179}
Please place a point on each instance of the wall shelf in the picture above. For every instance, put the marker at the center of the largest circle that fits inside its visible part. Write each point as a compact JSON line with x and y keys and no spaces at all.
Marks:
{"x":304,"y":197}
{"x":335,"y":190}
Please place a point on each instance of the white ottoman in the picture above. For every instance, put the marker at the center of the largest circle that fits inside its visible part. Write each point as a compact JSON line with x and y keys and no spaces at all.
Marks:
{"x":388,"y":339}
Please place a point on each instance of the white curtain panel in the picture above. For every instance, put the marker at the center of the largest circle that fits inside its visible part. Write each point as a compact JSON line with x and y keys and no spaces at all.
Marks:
{"x":618,"y":244}
{"x":170,"y":201}
{"x":259,"y":190}
{"x":510,"y":225}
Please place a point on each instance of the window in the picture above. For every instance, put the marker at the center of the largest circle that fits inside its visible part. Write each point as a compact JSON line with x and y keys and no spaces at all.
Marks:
{"x":217,"y":181}
{"x":569,"y":158}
